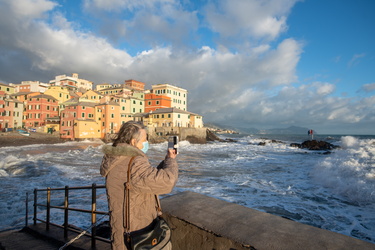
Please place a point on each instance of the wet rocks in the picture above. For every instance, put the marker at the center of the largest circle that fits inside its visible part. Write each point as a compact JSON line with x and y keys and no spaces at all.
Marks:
{"x":210,"y":136}
{"x":314,"y":145}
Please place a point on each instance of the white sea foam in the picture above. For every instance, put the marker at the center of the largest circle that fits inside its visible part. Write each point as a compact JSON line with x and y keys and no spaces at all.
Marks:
{"x":350,"y":172}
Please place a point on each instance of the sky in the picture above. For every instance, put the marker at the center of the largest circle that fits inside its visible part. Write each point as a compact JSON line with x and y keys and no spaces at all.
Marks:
{"x":245,"y":63}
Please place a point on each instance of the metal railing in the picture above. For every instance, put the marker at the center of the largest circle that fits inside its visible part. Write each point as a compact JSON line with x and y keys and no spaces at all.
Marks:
{"x":48,"y":206}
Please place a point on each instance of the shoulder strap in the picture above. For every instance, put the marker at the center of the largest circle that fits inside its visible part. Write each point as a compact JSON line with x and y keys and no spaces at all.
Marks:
{"x":127,"y":198}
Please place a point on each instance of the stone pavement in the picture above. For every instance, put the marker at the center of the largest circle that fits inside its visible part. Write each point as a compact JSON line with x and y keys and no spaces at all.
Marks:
{"x":21,"y":240}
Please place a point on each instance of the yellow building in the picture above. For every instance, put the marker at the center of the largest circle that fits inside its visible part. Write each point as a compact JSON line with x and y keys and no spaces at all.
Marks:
{"x":60,"y":93}
{"x":125,"y":108}
{"x":7,"y":89}
{"x":91,"y":96}
{"x":87,"y":129}
{"x":116,"y":89}
{"x":173,"y":117}
{"x":102,"y":86}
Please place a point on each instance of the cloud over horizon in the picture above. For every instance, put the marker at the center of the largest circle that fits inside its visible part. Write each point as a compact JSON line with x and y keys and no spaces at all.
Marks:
{"x":252,"y":81}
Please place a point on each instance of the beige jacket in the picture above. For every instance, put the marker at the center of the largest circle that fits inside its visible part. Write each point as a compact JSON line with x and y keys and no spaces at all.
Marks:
{"x":146,"y":181}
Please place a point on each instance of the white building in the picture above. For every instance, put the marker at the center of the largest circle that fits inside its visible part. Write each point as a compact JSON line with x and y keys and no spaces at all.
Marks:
{"x":30,"y":86}
{"x":177,"y":95}
{"x":72,"y":82}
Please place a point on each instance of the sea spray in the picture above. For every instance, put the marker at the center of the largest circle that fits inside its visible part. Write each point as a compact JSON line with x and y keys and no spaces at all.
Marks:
{"x":350,"y":171}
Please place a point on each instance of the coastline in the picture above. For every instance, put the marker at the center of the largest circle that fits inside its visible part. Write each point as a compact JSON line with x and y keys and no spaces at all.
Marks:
{"x":14,"y":139}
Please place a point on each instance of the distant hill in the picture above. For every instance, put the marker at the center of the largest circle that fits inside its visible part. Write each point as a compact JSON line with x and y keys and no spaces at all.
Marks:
{"x":292,"y":130}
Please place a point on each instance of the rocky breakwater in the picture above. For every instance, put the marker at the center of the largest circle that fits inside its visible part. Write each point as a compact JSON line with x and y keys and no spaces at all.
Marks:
{"x":210,"y":136}
{"x":314,"y":145}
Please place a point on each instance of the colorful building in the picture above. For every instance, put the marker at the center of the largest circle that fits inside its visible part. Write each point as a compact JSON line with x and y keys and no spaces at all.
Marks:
{"x":108,"y":114}
{"x":136,"y":85}
{"x":173,"y":117}
{"x":60,"y":93}
{"x":102,"y":86}
{"x":30,"y":86}
{"x":177,"y":95}
{"x":116,"y":89}
{"x":38,"y":108}
{"x":77,"y":121}
{"x":7,"y":88}
{"x":11,"y":111}
{"x":91,"y":96}
{"x":72,"y":82}
{"x":154,"y":102}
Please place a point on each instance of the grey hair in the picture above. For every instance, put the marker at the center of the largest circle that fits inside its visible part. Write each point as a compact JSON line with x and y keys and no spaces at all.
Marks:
{"x":129,"y":131}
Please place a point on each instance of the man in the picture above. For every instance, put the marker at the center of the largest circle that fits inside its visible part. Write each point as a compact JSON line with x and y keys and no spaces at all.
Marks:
{"x":146,"y":181}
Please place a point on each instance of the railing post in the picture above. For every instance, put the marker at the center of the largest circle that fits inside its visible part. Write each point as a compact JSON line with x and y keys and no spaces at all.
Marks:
{"x":27,"y":209}
{"x":48,"y":207}
{"x":35,"y":204}
{"x":66,"y":212}
{"x":93,"y":216}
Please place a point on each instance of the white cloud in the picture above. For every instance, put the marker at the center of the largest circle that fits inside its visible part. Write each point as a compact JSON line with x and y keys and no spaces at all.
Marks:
{"x":30,"y":9}
{"x":369,"y":87}
{"x":324,"y":88}
{"x":355,"y":60}
{"x":256,"y":87}
{"x":259,"y":19}
{"x":116,"y":5}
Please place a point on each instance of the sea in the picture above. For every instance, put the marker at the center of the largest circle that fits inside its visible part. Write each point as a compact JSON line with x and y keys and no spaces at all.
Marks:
{"x":333,"y":191}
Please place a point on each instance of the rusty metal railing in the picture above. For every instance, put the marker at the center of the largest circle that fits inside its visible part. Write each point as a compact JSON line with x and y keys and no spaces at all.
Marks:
{"x":66,"y":208}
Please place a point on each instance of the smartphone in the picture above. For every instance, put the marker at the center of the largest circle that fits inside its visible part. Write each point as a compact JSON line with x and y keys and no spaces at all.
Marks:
{"x":173,"y":143}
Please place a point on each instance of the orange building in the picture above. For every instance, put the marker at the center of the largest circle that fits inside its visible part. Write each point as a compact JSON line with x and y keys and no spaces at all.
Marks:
{"x":38,"y":108}
{"x":154,"y":102}
{"x":108,"y":115}
{"x":137,"y":85}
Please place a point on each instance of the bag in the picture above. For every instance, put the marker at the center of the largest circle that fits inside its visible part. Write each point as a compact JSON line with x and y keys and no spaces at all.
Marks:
{"x":155,"y":236}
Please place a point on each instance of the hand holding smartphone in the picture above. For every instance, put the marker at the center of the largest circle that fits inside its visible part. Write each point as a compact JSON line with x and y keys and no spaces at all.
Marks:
{"x":173,"y":143}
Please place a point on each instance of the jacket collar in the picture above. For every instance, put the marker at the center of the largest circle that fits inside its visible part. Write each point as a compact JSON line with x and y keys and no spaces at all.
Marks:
{"x":122,"y":149}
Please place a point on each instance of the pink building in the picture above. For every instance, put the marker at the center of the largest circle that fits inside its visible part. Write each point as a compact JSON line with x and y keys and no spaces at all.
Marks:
{"x":38,"y":108}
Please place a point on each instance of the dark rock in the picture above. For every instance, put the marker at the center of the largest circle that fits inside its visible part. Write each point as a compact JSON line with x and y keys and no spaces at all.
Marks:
{"x":210,"y":136}
{"x":263,"y":143}
{"x":314,"y":145}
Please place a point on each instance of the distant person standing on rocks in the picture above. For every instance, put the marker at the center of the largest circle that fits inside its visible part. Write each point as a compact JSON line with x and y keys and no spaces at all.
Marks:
{"x":146,"y":181}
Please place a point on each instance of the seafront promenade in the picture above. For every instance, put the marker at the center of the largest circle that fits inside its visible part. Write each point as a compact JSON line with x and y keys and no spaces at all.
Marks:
{"x":201,"y":222}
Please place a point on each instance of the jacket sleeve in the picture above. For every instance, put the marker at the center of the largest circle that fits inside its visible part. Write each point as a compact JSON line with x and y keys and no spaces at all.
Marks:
{"x":148,"y":179}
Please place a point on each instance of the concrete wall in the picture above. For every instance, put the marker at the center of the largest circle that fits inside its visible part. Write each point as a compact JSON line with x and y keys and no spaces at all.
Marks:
{"x":202,"y":222}
{"x":193,"y":135}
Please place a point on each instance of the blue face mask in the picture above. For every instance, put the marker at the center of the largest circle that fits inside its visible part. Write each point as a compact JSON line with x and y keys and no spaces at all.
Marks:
{"x":145,"y":147}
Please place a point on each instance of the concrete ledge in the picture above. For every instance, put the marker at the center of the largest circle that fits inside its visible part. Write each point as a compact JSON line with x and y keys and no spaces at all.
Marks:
{"x":202,"y":222}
